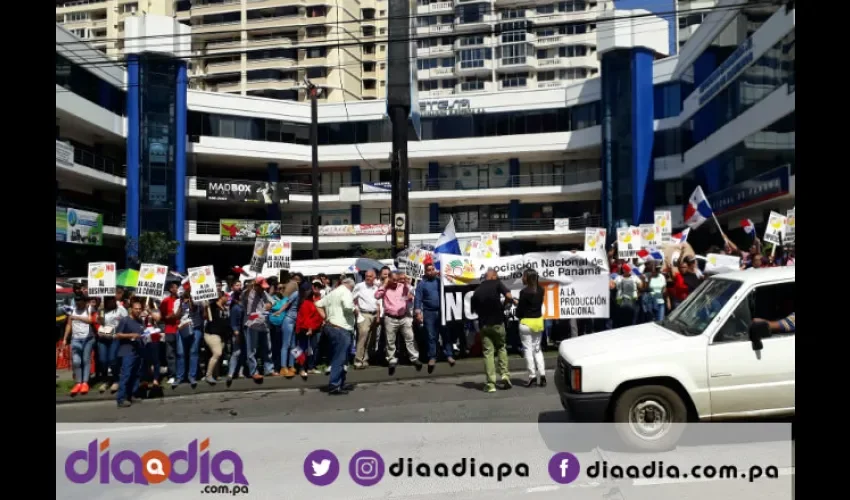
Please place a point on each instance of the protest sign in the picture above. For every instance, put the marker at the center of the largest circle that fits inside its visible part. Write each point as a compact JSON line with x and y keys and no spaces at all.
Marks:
{"x":258,"y":257}
{"x":151,"y":280}
{"x":472,"y":248}
{"x":279,"y":254}
{"x":594,"y":239}
{"x":628,"y":242}
{"x":650,"y":235}
{"x":101,"y":279}
{"x":718,"y":263}
{"x":791,"y":225}
{"x":202,"y":283}
{"x":664,"y":220}
{"x":415,"y":265}
{"x":575,"y":283}
{"x":490,"y":245}
{"x":774,"y":232}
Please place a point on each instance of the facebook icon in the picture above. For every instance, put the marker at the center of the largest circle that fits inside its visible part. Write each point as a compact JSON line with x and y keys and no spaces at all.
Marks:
{"x":564,"y":468}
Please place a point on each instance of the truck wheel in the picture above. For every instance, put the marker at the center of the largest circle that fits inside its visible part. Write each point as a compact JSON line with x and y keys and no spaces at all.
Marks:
{"x":650,"y":417}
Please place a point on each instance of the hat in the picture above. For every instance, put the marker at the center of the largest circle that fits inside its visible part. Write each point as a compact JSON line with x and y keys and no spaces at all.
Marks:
{"x":259,"y":280}
{"x":318,"y":283}
{"x":626,"y":268}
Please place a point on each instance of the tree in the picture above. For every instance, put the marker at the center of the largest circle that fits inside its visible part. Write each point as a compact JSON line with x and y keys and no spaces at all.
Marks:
{"x":152,"y":247}
{"x":378,"y":253}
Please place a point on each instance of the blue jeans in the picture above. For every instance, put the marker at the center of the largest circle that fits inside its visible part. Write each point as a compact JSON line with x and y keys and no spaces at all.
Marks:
{"x":81,"y":358}
{"x":107,"y":357}
{"x":432,"y":323}
{"x":287,"y":334}
{"x":340,"y":343}
{"x":253,"y":337}
{"x":237,"y":355}
{"x":658,"y":311}
{"x":129,"y":381}
{"x":188,"y":339}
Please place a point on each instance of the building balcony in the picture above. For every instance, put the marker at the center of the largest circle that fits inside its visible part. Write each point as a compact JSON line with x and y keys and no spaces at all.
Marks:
{"x":434,"y":51}
{"x":469,"y":87}
{"x":276,"y":63}
{"x":428,"y":74}
{"x":86,"y":7}
{"x":224,"y":86}
{"x":552,"y":84}
{"x":563,"y":17}
{"x":435,"y":8}
{"x":282,"y":21}
{"x":486,"y":20}
{"x":213,"y":46}
{"x":476,"y":67}
{"x":431,"y":94}
{"x":206,"y":8}
{"x":524,"y":63}
{"x":213,"y":29}
{"x":218,"y":68}
{"x":487,"y":41}
{"x":551,"y":63}
{"x":560,"y":40}
{"x":520,"y":3}
{"x":435,"y":29}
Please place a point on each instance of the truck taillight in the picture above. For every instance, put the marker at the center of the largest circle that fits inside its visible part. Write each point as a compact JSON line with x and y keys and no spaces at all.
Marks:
{"x":575,"y":378}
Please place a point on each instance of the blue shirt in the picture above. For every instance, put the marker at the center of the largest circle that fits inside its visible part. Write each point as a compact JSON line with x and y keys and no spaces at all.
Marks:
{"x":128,"y":325}
{"x":237,"y":317}
{"x":292,"y":312}
{"x":427,"y":295}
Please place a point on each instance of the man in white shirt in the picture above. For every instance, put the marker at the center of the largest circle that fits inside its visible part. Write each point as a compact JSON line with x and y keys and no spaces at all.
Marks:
{"x":337,"y":309}
{"x":367,"y":308}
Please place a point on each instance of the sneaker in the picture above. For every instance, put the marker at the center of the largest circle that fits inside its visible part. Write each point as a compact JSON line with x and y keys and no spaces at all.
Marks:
{"x":506,"y":383}
{"x":193,"y":383}
{"x":314,"y":372}
{"x":84,"y":388}
{"x":303,"y":374}
{"x":124,"y":404}
{"x":328,"y":370}
{"x":76,"y":389}
{"x":489,"y":388}
{"x":451,"y":361}
{"x":103,"y":387}
{"x":211,"y":380}
{"x":114,"y":388}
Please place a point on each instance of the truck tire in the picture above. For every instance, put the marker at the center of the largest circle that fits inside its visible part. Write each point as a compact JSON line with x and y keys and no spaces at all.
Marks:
{"x":650,"y":417}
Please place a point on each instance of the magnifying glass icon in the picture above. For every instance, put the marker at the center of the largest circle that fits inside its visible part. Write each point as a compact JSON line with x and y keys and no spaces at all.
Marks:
{"x":154,"y":467}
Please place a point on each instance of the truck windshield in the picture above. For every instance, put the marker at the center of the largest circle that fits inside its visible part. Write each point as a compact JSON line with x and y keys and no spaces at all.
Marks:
{"x":694,"y":315}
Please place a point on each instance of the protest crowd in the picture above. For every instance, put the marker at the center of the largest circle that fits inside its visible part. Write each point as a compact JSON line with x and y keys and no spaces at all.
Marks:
{"x":434,"y":306}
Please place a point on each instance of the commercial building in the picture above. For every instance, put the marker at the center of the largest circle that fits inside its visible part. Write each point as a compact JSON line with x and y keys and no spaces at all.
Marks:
{"x":536,"y":166}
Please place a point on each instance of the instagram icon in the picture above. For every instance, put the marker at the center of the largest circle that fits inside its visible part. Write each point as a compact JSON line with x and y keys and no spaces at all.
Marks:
{"x":366,"y":468}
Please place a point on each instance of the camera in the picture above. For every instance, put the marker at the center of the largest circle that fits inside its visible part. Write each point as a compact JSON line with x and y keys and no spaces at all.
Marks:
{"x":366,"y":468}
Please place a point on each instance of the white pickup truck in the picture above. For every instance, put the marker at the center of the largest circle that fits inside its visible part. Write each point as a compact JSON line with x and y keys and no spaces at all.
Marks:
{"x":707,"y":361}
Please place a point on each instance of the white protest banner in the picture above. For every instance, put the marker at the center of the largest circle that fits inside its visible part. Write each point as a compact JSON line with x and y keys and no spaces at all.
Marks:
{"x":719,"y":263}
{"x":664,"y":220}
{"x":258,"y":257}
{"x":472,"y":248}
{"x":774,"y":232}
{"x":279,"y":254}
{"x":202,"y":283}
{"x":628,"y":242}
{"x":576,"y":284}
{"x":152,"y":280}
{"x":791,"y":226}
{"x":490,"y":244}
{"x":650,"y":235}
{"x":594,"y":239}
{"x":101,"y":279}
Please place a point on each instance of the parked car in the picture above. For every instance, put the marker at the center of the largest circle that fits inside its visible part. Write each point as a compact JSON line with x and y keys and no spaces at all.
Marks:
{"x":705,"y":362}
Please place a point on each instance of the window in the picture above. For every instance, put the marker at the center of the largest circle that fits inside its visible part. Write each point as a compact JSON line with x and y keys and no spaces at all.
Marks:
{"x":572,"y":51}
{"x":316,"y":52}
{"x":426,"y":63}
{"x":772,"y":302}
{"x":694,"y":315}
{"x":368,"y":84}
{"x":319,"y":72}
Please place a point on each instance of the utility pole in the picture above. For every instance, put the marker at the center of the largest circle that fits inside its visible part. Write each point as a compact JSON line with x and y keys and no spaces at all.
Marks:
{"x":313,"y":91}
{"x":399,"y":83}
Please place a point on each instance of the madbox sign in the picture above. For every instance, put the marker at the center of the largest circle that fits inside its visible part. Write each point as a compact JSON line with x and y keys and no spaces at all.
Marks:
{"x":154,"y":466}
{"x":447,"y":107}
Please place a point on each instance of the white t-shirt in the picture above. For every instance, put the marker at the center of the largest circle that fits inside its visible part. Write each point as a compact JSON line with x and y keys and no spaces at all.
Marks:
{"x":113,"y":317}
{"x":364,"y":296}
{"x":627,"y":287}
{"x":80,"y":330}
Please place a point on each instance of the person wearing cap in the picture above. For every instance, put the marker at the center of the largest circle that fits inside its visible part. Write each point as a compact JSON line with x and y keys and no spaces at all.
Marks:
{"x":337,"y":309}
{"x":257,"y":329}
{"x":628,"y":287}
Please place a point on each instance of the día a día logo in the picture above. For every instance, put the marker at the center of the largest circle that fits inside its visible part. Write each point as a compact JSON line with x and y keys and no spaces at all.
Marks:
{"x":98,"y":462}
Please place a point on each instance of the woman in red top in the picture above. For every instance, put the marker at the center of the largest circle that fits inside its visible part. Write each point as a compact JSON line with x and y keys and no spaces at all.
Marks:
{"x":308,"y":326}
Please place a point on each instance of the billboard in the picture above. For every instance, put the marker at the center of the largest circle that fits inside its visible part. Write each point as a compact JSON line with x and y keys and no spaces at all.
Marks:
{"x":248,"y":230}
{"x":79,"y":226}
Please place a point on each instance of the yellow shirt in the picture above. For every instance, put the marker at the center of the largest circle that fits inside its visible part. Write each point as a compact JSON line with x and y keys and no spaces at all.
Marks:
{"x":339,"y":307}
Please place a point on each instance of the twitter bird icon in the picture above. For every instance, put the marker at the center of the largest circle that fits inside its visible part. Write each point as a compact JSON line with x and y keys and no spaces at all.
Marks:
{"x":321,"y":467}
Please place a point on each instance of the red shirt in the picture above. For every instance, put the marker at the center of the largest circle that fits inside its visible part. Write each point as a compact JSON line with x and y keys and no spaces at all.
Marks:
{"x":166,"y":309}
{"x":308,"y":316}
{"x":680,"y":288}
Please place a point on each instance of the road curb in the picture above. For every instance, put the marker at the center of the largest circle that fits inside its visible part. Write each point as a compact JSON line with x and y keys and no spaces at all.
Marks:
{"x":367,"y":376}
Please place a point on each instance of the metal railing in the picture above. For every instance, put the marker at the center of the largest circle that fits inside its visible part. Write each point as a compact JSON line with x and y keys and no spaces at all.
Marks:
{"x":426,"y":227}
{"x":97,"y":162}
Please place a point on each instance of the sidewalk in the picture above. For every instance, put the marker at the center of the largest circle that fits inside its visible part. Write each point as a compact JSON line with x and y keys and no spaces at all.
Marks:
{"x":469,"y":366}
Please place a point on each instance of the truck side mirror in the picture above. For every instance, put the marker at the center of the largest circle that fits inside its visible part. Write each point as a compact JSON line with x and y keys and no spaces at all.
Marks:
{"x":758,"y":331}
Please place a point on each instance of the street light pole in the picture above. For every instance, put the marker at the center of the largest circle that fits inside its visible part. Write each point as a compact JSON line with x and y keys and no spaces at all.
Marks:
{"x":313,"y":92}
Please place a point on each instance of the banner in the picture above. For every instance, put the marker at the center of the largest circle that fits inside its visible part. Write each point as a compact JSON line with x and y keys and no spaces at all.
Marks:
{"x":248,"y":230}
{"x":61,"y":224}
{"x":279,"y":254}
{"x":258,"y":257}
{"x":629,"y":242}
{"x":490,"y":245}
{"x":719,"y":263}
{"x":101,"y":279}
{"x":594,"y":239}
{"x":650,"y":235}
{"x":664,"y":220}
{"x":774,"y":232}
{"x":381,"y":187}
{"x":355,"y":230}
{"x":472,"y":248}
{"x":202,"y":283}
{"x":244,"y":191}
{"x":576,"y":284}
{"x":81,"y":226}
{"x":562,"y":225}
{"x":152,"y":280}
{"x":791,"y":225}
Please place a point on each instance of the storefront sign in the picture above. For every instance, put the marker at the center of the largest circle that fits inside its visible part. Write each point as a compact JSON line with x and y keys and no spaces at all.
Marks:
{"x":764,"y":187}
{"x":381,"y":187}
{"x":64,"y":154}
{"x":244,"y":191}
{"x":355,"y":230}
{"x":733,"y":66}
{"x":448,"y":107}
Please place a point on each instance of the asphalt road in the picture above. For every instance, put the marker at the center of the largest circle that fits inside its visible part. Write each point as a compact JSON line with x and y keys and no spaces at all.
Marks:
{"x":429,"y":420}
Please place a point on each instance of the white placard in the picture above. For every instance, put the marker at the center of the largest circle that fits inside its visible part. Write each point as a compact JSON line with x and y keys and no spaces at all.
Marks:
{"x":774,"y":232}
{"x":594,"y":239}
{"x":490,"y":245}
{"x":279,"y":254}
{"x":629,"y":242}
{"x":791,"y":226}
{"x":650,"y":235}
{"x":152,"y":280}
{"x":101,"y":280}
{"x":562,"y":225}
{"x":258,"y":257}
{"x":720,"y":263}
{"x":202,"y":283}
{"x":664,"y":220}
